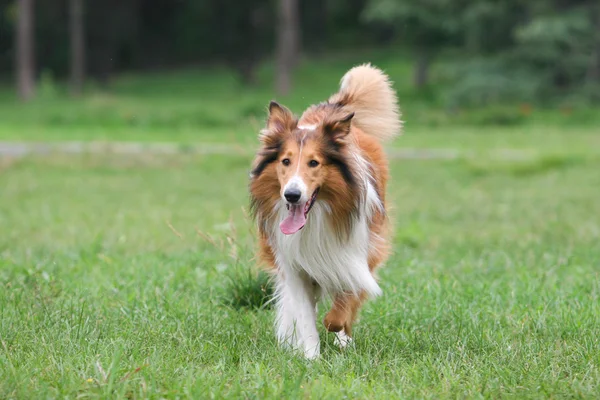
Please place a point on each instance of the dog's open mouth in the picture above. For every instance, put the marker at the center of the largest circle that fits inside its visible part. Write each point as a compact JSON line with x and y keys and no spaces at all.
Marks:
{"x":296,"y":218}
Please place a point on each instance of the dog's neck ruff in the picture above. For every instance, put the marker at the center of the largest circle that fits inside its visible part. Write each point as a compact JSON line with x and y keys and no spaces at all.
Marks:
{"x":336,"y":262}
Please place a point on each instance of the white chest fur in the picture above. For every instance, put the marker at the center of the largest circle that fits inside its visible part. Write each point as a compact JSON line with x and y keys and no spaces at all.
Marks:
{"x":335,"y":264}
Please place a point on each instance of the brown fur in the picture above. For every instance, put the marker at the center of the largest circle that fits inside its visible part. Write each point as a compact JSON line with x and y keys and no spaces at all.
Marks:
{"x":343,"y":312}
{"x":355,"y":120}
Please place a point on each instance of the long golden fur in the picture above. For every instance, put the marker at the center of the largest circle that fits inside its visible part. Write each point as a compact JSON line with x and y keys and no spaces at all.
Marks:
{"x":333,"y":159}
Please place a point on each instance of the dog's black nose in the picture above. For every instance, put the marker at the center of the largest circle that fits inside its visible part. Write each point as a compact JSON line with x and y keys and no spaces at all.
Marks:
{"x":292,"y":195}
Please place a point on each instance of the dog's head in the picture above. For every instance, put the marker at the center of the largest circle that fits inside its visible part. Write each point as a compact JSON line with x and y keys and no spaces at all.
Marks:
{"x":298,"y":165}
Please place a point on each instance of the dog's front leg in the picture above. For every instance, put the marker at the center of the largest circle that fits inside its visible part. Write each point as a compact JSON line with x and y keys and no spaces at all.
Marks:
{"x":296,"y":312}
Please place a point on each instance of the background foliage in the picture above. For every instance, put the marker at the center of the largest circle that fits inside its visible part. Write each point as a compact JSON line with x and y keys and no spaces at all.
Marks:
{"x":535,"y":51}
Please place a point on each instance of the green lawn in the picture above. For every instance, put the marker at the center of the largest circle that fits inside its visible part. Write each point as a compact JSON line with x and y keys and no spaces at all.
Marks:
{"x":210,"y":106}
{"x":126,"y":275}
{"x":108,"y":290}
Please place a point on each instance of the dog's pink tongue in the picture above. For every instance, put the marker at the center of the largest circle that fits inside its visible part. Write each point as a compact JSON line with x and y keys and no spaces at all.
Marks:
{"x":294,"y":221}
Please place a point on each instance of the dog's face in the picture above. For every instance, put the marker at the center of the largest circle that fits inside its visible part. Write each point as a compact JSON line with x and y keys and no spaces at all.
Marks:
{"x":301,"y":162}
{"x":301,"y":174}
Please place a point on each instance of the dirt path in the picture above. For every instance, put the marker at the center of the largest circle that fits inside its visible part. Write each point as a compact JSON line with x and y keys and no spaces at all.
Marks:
{"x":19,"y":149}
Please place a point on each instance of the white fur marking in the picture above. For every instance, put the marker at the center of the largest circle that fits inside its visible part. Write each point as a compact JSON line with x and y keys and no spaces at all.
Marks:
{"x":308,"y":127}
{"x":372,"y":202}
{"x":297,"y":183}
{"x":336,"y":264}
{"x":373,"y":198}
{"x":296,"y":312}
{"x":341,"y":339}
{"x":300,"y":153}
{"x":344,"y":82}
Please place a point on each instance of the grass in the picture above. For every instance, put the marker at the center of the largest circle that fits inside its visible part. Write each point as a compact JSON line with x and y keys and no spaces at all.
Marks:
{"x":211,"y":106}
{"x":109,"y":290}
{"x":134,"y":276}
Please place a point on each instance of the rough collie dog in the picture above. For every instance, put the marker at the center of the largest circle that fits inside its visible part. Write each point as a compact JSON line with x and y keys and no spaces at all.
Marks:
{"x":317,"y":189}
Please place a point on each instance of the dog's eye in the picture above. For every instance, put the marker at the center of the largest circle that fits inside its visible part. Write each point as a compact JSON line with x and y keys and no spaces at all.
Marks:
{"x":313,"y":163}
{"x":285,"y":161}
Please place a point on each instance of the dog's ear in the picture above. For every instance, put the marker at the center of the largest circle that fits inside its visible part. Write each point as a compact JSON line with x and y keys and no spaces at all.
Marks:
{"x":338,"y":128}
{"x":280,"y":121}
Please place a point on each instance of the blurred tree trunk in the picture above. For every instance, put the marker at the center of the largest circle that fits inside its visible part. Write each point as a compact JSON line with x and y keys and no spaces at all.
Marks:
{"x":112,"y":28}
{"x":247,"y":70}
{"x":25,"y":65}
{"x":288,"y":33}
{"x":421,"y":73}
{"x":77,"y":47}
{"x":594,"y":68}
{"x":254,"y":22}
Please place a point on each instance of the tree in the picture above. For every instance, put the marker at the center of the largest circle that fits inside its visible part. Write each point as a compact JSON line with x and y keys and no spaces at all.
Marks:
{"x":25,"y":64}
{"x":540,"y":50}
{"x":112,"y":30}
{"x":246,"y":32}
{"x":557,"y":44}
{"x":426,"y":26}
{"x":594,"y":65}
{"x":77,"y":46}
{"x":288,"y":33}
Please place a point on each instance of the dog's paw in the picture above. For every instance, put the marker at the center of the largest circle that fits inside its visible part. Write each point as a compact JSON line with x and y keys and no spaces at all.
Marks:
{"x":342,"y":340}
{"x":312,"y":352}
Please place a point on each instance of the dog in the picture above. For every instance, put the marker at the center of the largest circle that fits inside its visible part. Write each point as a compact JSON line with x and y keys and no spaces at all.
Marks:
{"x":317,"y":192}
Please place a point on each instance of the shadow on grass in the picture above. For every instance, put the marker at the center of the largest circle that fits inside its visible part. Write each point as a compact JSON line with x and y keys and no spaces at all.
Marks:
{"x":246,"y":288}
{"x":245,"y":285}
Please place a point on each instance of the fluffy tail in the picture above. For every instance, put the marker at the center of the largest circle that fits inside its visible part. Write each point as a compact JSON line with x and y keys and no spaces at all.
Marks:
{"x":367,"y":91}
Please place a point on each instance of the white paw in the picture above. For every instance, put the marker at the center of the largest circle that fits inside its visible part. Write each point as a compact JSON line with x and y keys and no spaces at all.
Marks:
{"x":312,"y":352}
{"x":342,"y":340}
